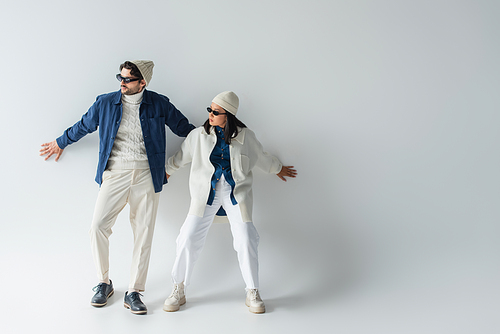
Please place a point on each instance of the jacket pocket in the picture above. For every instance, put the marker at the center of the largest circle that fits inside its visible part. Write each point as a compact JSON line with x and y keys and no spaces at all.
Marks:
{"x":245,"y":163}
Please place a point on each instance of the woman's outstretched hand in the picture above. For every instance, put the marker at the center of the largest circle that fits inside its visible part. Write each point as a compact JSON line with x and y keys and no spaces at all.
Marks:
{"x":287,"y":171}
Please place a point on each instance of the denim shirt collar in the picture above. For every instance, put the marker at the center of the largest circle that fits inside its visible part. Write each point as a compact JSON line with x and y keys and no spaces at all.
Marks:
{"x":240,"y":138}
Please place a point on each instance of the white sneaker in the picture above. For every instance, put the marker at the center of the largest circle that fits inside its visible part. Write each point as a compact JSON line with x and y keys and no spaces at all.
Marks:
{"x":253,"y":301}
{"x":176,"y":299}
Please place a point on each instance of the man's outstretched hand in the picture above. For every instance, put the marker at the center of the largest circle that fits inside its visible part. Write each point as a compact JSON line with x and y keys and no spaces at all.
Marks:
{"x":50,"y":149}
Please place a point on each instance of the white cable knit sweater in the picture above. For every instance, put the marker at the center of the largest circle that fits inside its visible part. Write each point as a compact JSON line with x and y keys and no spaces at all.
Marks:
{"x":129,"y":142}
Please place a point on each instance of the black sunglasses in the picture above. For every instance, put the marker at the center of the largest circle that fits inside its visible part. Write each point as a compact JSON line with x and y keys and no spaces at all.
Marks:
{"x":215,"y":112}
{"x":126,"y":80}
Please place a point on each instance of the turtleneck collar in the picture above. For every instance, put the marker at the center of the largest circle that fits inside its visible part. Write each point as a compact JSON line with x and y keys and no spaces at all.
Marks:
{"x":133,"y":99}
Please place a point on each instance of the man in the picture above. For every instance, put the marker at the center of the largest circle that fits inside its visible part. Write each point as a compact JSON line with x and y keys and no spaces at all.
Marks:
{"x":131,"y":169}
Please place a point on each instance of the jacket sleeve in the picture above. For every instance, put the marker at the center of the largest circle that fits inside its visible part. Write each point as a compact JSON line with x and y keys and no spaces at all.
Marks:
{"x":87,"y":124}
{"x":266,"y":162}
{"x":176,"y":121}
{"x":181,"y":158}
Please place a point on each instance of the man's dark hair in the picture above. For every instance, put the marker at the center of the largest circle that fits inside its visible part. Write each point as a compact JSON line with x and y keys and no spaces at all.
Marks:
{"x":230,"y":130}
{"x":134,"y":71}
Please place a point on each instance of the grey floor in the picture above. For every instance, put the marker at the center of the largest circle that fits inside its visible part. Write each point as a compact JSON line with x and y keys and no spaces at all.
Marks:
{"x":54,"y":289}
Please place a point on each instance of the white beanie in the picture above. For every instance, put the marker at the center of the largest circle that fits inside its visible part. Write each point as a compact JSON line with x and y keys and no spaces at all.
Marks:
{"x":146,"y":69}
{"x":228,"y":100}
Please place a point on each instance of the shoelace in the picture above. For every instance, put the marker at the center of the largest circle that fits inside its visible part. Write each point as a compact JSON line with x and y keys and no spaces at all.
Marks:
{"x":176,"y":292}
{"x":101,"y":287}
{"x":254,"y":294}
{"x":135,"y":296}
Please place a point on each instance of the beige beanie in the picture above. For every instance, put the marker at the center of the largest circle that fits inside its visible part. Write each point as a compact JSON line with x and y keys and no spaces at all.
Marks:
{"x":146,"y":69}
{"x":228,"y":100}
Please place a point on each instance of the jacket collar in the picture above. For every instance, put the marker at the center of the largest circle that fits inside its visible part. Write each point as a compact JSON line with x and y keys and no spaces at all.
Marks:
{"x":117,"y":99}
{"x":240,"y":138}
{"x":146,"y":98}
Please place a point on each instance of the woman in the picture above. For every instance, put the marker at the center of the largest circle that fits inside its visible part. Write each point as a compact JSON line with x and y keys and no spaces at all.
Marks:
{"x":222,"y":154}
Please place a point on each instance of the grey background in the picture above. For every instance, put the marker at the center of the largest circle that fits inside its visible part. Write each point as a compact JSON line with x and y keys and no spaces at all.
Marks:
{"x":388,"y":109}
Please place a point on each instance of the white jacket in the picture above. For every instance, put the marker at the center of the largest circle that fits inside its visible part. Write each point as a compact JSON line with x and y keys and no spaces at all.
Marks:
{"x":246,"y":152}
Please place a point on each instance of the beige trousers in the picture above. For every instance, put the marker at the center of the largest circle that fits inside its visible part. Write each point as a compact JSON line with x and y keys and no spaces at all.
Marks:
{"x":119,"y":187}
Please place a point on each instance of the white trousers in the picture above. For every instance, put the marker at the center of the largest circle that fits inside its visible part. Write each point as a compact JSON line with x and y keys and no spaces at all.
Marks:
{"x":119,"y":187}
{"x":194,"y":231}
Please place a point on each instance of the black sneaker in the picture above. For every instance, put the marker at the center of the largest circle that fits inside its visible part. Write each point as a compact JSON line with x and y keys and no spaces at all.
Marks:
{"x":102,"y":292}
{"x":133,"y":302}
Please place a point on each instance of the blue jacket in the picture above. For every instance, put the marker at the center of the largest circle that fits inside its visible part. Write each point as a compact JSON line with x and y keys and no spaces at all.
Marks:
{"x":106,"y":114}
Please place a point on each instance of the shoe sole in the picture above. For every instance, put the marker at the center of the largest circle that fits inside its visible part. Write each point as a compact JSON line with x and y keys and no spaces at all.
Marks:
{"x":127,"y":306}
{"x":256,"y":310}
{"x":173,"y":308}
{"x":101,"y":305}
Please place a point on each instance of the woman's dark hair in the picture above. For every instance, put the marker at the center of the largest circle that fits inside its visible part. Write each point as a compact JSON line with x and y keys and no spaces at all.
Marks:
{"x":134,"y":70}
{"x":230,"y":130}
